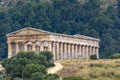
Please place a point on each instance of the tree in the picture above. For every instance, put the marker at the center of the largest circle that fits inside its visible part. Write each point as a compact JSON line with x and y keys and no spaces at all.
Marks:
{"x":37,"y":76}
{"x":30,"y":69}
{"x":119,"y":8}
{"x":48,"y":54}
{"x":63,"y":16}
{"x":51,"y":77}
{"x":108,"y":42}
{"x":73,"y":78}
{"x":24,"y":64}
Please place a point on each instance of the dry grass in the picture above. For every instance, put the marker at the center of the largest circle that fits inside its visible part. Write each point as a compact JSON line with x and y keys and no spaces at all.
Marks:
{"x":91,"y":69}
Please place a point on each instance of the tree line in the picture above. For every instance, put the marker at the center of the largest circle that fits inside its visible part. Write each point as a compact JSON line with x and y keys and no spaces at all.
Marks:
{"x":64,"y":16}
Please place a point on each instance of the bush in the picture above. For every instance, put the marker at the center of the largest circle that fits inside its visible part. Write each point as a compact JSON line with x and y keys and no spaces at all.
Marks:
{"x":37,"y":76}
{"x":73,"y":78}
{"x":51,"y":77}
{"x":51,"y":65}
{"x":33,"y":68}
{"x":18,"y":78}
{"x":93,"y":57}
{"x":27,"y":65}
{"x":49,"y":58}
{"x":115,"y":56}
{"x":96,"y":65}
{"x":48,"y":54}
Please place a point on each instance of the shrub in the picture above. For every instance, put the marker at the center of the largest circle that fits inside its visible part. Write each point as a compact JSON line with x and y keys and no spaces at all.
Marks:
{"x":37,"y":76}
{"x":73,"y":78}
{"x":51,"y":77}
{"x":81,"y":67}
{"x":93,"y":57}
{"x":115,"y":56}
{"x":92,"y":75}
{"x":49,"y":57}
{"x":51,"y":65}
{"x":96,"y":65}
{"x":48,"y":54}
{"x":27,"y":65}
{"x":33,"y":68}
{"x":18,"y":78}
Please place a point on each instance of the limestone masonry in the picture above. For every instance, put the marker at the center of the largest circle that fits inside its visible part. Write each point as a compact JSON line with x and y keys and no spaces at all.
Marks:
{"x":63,"y":46}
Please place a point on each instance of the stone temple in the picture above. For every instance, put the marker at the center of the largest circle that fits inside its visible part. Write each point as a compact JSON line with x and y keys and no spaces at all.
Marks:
{"x":63,"y":46}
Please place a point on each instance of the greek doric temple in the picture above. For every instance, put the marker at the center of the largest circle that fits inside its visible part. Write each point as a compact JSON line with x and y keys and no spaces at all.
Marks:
{"x":63,"y":46}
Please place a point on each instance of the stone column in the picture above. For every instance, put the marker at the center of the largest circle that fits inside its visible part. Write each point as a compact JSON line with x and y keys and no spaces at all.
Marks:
{"x":65,"y":50}
{"x":9,"y":50}
{"x":93,"y":50}
{"x":80,"y":51}
{"x":25,"y":46}
{"x":76,"y":49}
{"x":49,"y":46}
{"x":57,"y":54}
{"x":54,"y":50}
{"x":17,"y":48}
{"x":73,"y":51}
{"x":41,"y":46}
{"x":97,"y":52}
{"x":90,"y":50}
{"x":34,"y":47}
{"x":68,"y":51}
{"x":86,"y":51}
{"x":61,"y":51}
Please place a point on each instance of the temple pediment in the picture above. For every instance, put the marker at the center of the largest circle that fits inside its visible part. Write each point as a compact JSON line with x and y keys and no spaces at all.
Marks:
{"x":28,"y":31}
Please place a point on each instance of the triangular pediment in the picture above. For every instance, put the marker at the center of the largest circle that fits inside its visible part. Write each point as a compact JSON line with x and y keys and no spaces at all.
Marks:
{"x":28,"y":31}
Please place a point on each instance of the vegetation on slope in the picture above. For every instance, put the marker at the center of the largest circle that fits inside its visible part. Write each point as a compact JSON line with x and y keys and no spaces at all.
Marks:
{"x":29,"y":66}
{"x":91,"y":69}
{"x":115,"y":56}
{"x":64,"y":16}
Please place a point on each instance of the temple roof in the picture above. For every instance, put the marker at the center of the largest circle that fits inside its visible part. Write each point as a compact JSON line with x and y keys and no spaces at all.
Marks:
{"x":26,"y":31}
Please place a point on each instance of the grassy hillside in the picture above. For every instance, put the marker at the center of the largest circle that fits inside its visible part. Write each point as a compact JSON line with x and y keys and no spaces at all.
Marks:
{"x":91,"y":69}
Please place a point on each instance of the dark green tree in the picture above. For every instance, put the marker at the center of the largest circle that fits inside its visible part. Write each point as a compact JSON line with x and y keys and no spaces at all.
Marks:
{"x":24,"y":64}
{"x":48,"y":54}
{"x":31,"y":69}
{"x":37,"y":76}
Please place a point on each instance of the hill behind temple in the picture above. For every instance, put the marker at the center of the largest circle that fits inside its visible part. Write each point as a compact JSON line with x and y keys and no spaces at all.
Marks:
{"x":95,"y":18}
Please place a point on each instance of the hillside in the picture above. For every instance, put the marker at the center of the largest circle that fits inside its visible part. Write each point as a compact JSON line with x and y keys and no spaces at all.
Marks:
{"x":91,"y":70}
{"x":105,"y":3}
{"x":93,"y":18}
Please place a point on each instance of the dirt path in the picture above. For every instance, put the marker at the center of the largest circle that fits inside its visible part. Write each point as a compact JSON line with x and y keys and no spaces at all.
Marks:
{"x":57,"y":67}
